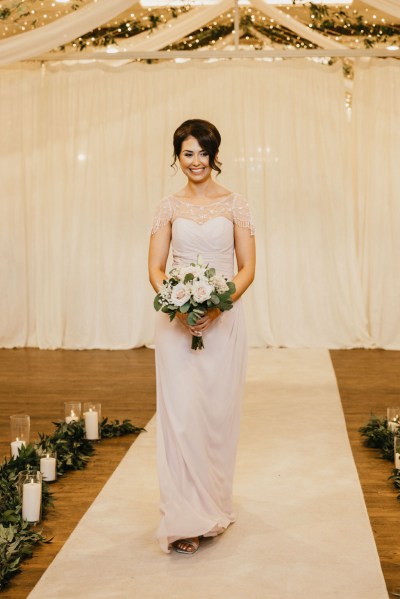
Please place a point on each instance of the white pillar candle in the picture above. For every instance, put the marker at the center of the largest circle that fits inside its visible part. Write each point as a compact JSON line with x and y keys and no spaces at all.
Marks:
{"x":393,"y":426}
{"x":48,"y":468}
{"x":15,"y":447}
{"x":91,"y":425}
{"x":397,"y":460}
{"x":71,"y":418}
{"x":31,"y":501}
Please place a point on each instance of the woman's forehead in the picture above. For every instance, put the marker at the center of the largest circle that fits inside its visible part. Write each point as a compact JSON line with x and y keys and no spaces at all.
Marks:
{"x":191,"y":143}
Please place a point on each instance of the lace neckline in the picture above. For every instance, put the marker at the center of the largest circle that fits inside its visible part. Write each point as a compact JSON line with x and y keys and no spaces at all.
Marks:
{"x":224,"y":199}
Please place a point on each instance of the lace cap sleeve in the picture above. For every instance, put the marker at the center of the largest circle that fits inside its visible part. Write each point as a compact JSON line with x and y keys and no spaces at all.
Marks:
{"x":162,"y":215}
{"x":242,"y":215}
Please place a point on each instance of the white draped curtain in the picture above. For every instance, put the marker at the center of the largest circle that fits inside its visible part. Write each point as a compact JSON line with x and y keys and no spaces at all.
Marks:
{"x":85,"y":157}
{"x":376,"y":138}
{"x":61,"y":31}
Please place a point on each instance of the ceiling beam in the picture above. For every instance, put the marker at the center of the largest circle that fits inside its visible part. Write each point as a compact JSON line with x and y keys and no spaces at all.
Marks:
{"x":225,"y":54}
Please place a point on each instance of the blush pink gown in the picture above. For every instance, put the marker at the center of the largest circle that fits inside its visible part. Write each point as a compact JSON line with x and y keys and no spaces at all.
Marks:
{"x":199,"y":393}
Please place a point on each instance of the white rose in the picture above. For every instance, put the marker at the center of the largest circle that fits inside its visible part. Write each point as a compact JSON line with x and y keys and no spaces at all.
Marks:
{"x":180,"y":294}
{"x":201,"y":290}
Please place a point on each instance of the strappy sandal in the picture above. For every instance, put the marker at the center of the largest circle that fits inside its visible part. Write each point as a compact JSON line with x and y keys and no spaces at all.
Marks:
{"x":194,"y":544}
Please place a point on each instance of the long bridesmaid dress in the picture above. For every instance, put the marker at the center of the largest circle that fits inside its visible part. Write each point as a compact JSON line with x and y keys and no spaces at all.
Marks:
{"x":199,"y":393}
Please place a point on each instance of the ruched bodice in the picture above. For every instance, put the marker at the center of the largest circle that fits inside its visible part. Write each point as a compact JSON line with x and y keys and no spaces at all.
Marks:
{"x":212,"y":240}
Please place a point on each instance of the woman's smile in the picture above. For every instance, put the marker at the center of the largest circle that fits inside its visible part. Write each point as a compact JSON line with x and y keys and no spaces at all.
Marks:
{"x":194,"y":160}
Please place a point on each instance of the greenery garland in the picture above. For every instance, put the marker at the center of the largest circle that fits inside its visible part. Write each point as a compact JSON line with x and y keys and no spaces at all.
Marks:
{"x":323,"y":19}
{"x":19,"y":10}
{"x":18,"y":537}
{"x":339,"y":23}
{"x":378,"y":436}
{"x":327,"y":20}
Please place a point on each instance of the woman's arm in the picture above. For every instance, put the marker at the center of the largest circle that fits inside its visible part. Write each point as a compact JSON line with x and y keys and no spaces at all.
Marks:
{"x":158,"y":256}
{"x":245,"y":248}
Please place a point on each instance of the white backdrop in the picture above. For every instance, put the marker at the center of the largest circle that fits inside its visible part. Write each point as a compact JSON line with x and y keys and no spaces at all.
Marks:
{"x":376,"y":129}
{"x":84,"y":158}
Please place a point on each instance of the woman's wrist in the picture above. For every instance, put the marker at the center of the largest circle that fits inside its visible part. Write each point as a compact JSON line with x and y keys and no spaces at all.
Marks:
{"x":216,"y":311}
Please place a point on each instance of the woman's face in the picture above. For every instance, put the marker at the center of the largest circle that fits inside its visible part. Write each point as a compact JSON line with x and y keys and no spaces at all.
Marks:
{"x":194,"y":161}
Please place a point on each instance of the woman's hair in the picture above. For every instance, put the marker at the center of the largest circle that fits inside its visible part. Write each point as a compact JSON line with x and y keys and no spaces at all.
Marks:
{"x":206,"y":134}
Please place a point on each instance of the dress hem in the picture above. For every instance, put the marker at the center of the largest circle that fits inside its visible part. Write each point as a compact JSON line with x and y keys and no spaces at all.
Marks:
{"x":217,"y":529}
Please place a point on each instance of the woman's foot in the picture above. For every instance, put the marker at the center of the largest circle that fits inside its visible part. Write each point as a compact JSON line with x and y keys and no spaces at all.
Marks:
{"x":187,"y":546}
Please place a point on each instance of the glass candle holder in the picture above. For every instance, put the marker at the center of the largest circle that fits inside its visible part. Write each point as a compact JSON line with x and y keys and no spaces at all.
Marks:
{"x":397,"y":452}
{"x":72,"y":411}
{"x":393,"y":419}
{"x":92,"y":418}
{"x":20,"y":430}
{"x":48,"y":466}
{"x":30,"y":494}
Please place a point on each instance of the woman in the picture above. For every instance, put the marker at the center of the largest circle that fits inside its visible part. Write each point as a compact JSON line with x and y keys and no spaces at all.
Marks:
{"x":199,"y":392}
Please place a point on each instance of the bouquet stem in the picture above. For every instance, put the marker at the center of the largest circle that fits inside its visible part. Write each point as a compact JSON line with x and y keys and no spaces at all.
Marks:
{"x":197,"y":342}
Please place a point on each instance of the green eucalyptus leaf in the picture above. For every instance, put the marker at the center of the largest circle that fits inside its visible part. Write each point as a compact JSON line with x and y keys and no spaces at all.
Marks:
{"x":157,"y":302}
{"x":192,"y":319}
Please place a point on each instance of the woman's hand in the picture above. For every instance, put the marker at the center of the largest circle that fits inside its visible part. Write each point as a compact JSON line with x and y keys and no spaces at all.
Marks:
{"x":202,"y":324}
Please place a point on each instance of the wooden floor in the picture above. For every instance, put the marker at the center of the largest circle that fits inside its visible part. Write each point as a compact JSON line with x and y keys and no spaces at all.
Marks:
{"x":38,"y":382}
{"x":369,"y":381}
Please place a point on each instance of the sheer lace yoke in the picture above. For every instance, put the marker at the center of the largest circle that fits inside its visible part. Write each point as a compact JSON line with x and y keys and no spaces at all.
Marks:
{"x":233,"y":207}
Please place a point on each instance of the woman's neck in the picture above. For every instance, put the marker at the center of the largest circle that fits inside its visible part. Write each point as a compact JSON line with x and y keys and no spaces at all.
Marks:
{"x":205,"y":189}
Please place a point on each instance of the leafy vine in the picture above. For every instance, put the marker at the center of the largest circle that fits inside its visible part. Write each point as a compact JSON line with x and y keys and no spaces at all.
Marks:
{"x":378,"y":436}
{"x":18,"y":537}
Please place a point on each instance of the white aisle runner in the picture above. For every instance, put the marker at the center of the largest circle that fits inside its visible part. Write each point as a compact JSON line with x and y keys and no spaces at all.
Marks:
{"x":302,"y":528}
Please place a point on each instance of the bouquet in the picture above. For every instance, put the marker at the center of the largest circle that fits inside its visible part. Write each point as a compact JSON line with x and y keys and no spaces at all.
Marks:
{"x":192,"y":290}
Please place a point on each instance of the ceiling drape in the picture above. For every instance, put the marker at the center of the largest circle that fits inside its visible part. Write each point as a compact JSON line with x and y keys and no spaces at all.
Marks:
{"x":61,"y":31}
{"x":390,"y":7}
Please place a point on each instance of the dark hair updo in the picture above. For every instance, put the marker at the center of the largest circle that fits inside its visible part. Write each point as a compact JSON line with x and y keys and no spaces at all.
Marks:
{"x":206,"y":134}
